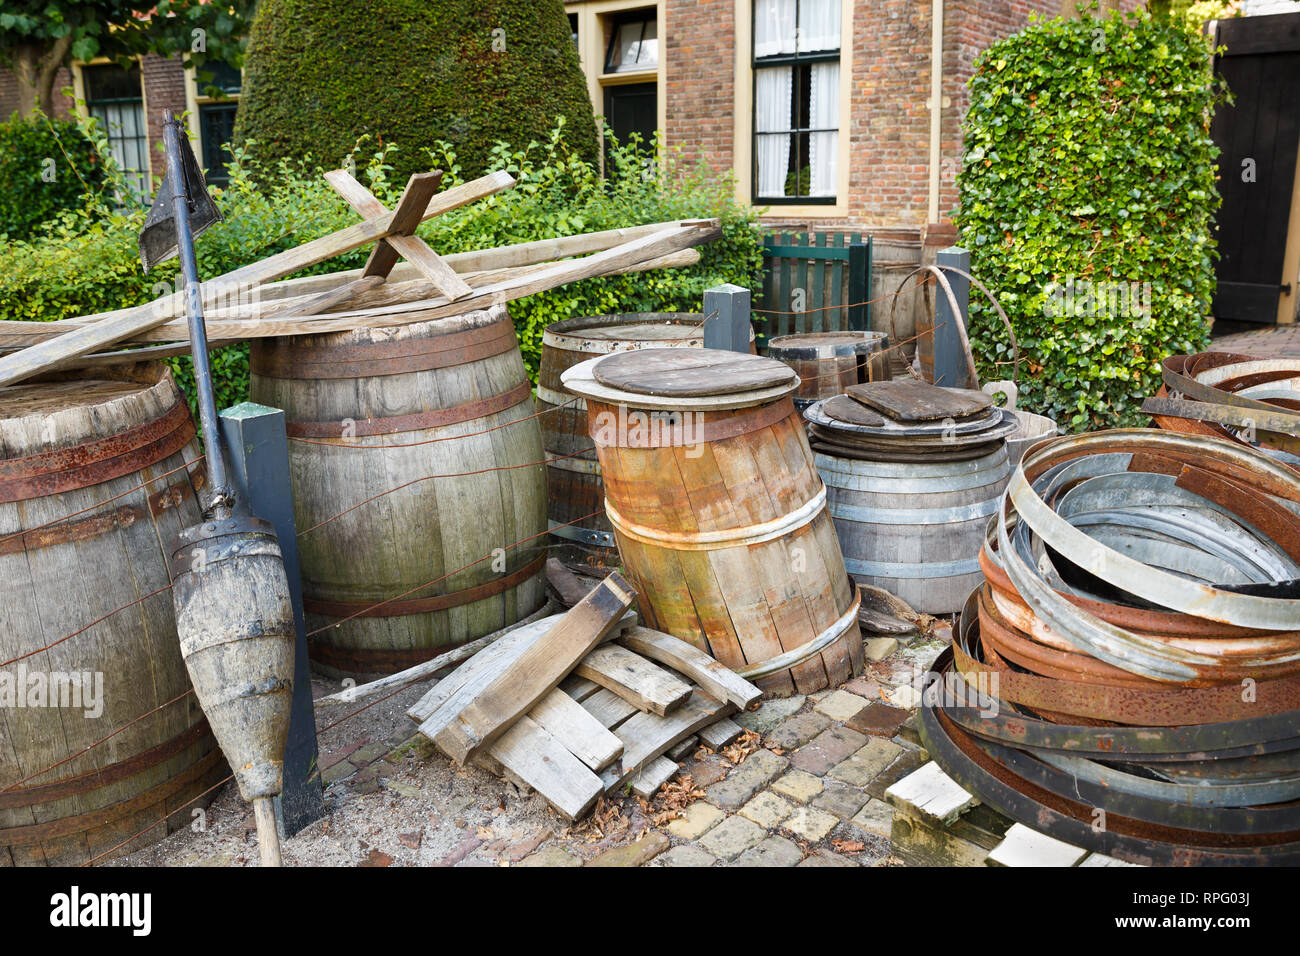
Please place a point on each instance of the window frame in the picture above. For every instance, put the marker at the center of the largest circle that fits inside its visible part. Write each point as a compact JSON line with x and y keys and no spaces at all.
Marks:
{"x":795,"y":61}
{"x":142,"y":187}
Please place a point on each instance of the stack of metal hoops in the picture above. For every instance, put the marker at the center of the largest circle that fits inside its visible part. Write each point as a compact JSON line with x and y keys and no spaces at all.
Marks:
{"x":1136,"y":652}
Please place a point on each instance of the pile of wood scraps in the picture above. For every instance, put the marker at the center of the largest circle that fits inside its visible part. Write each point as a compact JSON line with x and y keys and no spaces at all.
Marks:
{"x":403,"y":281}
{"x":583,"y":703}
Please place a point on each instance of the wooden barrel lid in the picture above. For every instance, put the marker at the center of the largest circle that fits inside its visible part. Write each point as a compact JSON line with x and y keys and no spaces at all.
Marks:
{"x":912,"y":401}
{"x":691,"y":372}
{"x":645,"y":332}
{"x":814,"y":345}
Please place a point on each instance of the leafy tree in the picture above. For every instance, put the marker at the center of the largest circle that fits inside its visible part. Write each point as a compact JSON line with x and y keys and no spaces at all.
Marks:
{"x":322,"y":73}
{"x":36,"y":39}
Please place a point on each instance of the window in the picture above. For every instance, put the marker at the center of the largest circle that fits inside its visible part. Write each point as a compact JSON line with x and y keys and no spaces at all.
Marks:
{"x":573,"y":31}
{"x":113,"y":97}
{"x":218,"y":90}
{"x":633,"y":43}
{"x":796,"y":100}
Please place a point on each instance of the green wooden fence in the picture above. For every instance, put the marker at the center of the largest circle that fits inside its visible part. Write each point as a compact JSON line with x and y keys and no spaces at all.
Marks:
{"x":814,"y":282}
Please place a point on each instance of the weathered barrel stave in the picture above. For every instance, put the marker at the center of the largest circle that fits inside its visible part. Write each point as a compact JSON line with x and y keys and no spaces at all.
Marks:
{"x":59,"y":580}
{"x":390,"y":548}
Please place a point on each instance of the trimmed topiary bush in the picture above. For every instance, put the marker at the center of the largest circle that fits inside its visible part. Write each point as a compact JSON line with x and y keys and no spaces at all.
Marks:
{"x":1087,"y":203}
{"x":46,"y":167}
{"x":321,"y":73}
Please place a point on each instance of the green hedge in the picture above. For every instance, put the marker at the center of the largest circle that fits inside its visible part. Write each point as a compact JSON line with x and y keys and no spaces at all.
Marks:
{"x":46,"y":167}
{"x":320,"y":72}
{"x":91,"y":266}
{"x":1087,"y":202}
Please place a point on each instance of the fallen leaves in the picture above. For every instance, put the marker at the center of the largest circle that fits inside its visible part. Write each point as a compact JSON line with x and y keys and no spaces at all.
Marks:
{"x":848,"y":846}
{"x":742,"y":747}
{"x":672,"y":799}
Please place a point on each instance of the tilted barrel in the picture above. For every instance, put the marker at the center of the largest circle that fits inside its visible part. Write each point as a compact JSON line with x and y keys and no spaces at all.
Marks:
{"x":574,"y":488}
{"x":416,"y":464}
{"x":719,"y":514}
{"x":102,"y":736}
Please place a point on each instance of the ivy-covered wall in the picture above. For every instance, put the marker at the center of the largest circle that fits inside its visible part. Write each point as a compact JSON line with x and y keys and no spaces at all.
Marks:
{"x":1087,"y":202}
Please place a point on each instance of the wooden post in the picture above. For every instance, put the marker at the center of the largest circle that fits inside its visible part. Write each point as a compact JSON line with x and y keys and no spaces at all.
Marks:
{"x":860,"y":285}
{"x":726,"y":318}
{"x":259,"y":464}
{"x":950,"y":368}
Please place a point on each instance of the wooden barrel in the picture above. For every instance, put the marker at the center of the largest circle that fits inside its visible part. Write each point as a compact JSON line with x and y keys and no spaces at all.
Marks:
{"x":436,"y":419}
{"x":573,"y":486}
{"x":75,"y":456}
{"x":719,"y":514}
{"x":915,"y":528}
{"x":829,"y":362}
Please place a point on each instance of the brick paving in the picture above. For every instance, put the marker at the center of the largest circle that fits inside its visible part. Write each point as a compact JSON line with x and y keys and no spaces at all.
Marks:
{"x":1271,"y":342}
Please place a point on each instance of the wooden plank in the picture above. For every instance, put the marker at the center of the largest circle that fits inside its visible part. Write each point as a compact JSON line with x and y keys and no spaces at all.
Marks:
{"x":565,"y":582}
{"x":537,"y":758}
{"x":656,"y":773}
{"x":930,"y":794}
{"x":475,"y":719}
{"x":1023,"y":846}
{"x":680,"y":751}
{"x":608,"y":708}
{"x":647,"y":736}
{"x":635,"y":679}
{"x":431,"y":265}
{"x":123,"y":324}
{"x":718,"y":735}
{"x":581,"y":734}
{"x":579,"y":688}
{"x":718,"y":680}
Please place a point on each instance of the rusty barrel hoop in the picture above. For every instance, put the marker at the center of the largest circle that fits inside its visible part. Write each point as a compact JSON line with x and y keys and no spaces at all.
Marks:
{"x":81,"y":532}
{"x":441,"y":411}
{"x":721,"y":522}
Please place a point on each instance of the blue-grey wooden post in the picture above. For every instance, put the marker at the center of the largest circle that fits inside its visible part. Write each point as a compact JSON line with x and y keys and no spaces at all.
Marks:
{"x":259,"y":461}
{"x":726,"y":318}
{"x":950,"y":368}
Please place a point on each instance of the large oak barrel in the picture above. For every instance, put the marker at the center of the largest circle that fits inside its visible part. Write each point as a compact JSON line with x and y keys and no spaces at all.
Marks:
{"x":427,"y":433}
{"x":719,"y":514}
{"x":94,"y":485}
{"x":574,"y":489}
{"x":915,"y":528}
{"x":829,"y":362}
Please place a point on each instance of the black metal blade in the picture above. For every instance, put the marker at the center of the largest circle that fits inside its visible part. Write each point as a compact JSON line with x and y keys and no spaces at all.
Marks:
{"x":158,"y":237}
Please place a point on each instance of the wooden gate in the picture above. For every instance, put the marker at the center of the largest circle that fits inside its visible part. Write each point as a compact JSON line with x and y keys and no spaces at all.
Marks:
{"x":814,"y":282}
{"x":1257,"y":137}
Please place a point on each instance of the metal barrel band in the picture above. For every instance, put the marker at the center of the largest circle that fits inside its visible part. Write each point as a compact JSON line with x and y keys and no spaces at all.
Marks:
{"x":580,"y":466}
{"x":83,"y":529}
{"x":927,"y":569}
{"x":97,"y":819}
{"x":591,"y":536}
{"x":439,"y":602}
{"x":95,"y":462}
{"x":805,"y":652}
{"x":913,"y":516}
{"x":399,"y":424}
{"x":629,"y":432}
{"x":83,"y":783}
{"x":557,"y":399}
{"x":286,"y":359}
{"x":717,"y":540}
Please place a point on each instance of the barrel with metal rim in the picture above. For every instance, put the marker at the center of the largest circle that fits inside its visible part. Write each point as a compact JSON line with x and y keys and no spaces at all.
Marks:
{"x":719,"y":514}
{"x":416,"y":467}
{"x":574,"y":488}
{"x":102,"y":738}
{"x":829,"y":362}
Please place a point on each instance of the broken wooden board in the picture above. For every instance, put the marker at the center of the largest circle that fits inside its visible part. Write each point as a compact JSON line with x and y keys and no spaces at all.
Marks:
{"x":647,"y":736}
{"x":718,"y":680}
{"x":930,"y":794}
{"x":655,"y":774}
{"x":716,"y":736}
{"x":566,"y":584}
{"x":480,"y":717}
{"x":1023,"y":846}
{"x":536,"y":757}
{"x":581,"y":734}
{"x":608,"y":708}
{"x":912,"y":401}
{"x":635,"y":679}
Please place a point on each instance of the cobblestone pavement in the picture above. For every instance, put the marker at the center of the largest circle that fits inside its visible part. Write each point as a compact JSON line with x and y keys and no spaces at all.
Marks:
{"x":1271,"y":341}
{"x":806,"y":789}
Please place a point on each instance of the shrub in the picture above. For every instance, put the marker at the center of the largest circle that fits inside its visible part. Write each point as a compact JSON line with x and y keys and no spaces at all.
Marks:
{"x":90,"y":264}
{"x":1087,"y":203}
{"x":46,"y":167}
{"x":319,"y":72}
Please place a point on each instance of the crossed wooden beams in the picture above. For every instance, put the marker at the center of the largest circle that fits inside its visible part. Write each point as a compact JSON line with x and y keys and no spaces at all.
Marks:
{"x":400,"y":242}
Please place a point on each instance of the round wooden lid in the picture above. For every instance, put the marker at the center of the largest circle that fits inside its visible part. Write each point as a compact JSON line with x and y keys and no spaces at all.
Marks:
{"x":46,"y":398}
{"x":691,"y":372}
{"x":646,"y":332}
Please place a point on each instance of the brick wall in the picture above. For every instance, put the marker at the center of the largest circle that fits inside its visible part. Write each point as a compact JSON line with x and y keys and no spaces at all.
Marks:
{"x":700,"y":78}
{"x":164,"y":89}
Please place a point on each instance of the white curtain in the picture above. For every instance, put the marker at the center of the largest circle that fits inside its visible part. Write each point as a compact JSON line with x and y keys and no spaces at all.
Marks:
{"x":824,"y":109}
{"x":774,"y":27}
{"x":819,"y":25}
{"x":773,"y":89}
